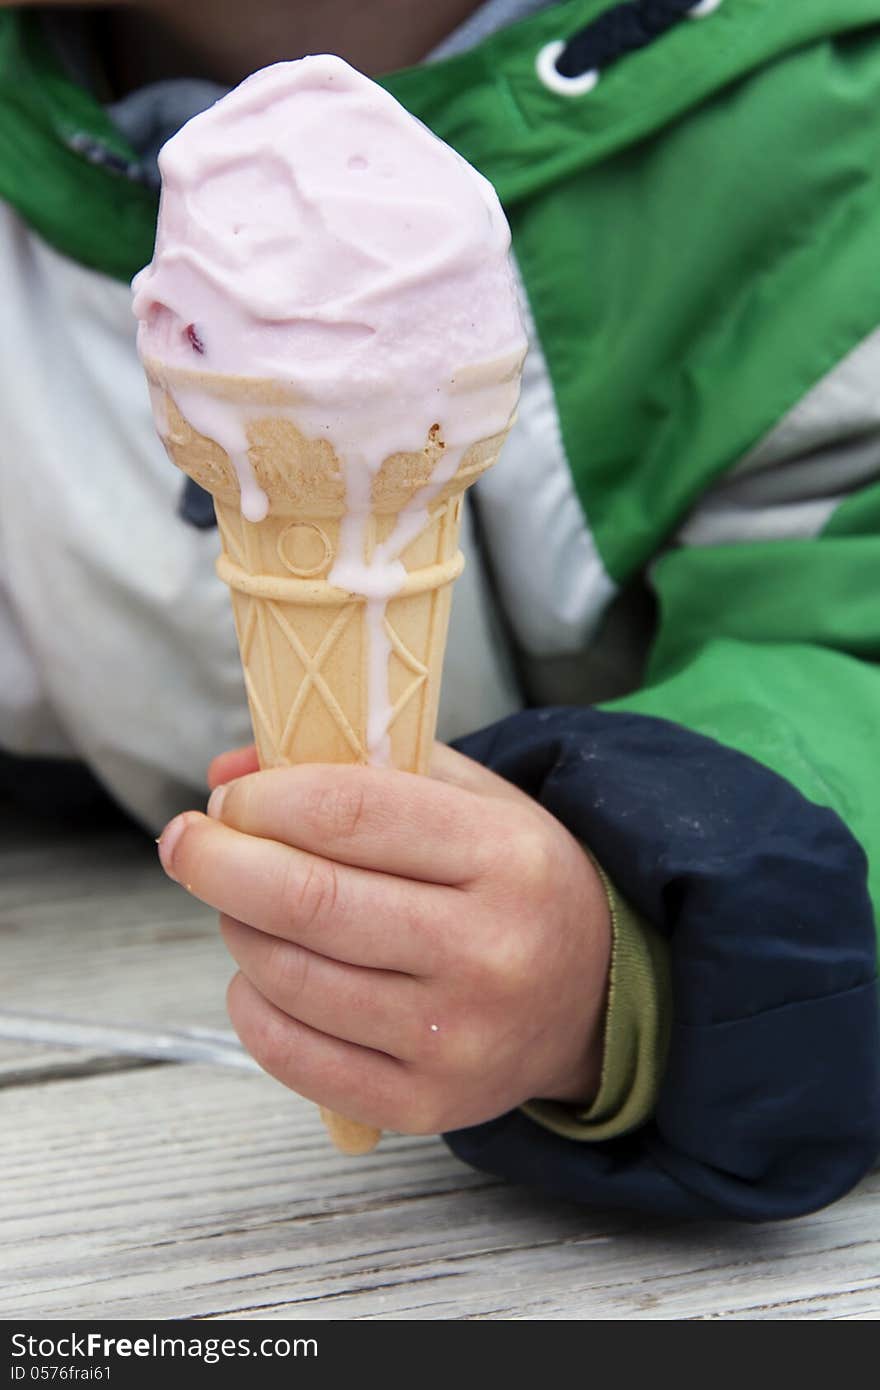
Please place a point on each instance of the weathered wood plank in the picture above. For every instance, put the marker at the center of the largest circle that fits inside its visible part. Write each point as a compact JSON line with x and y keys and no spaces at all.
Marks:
{"x":203,"y":1192}
{"x":132,"y":1189}
{"x":90,"y":928}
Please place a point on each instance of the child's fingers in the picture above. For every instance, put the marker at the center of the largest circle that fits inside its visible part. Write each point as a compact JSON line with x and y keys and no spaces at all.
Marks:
{"x":347,"y":913}
{"x":374,"y":818}
{"x":447,"y":765}
{"x":379,"y":1009}
{"x":366,"y":1086}
{"x":237,"y":762}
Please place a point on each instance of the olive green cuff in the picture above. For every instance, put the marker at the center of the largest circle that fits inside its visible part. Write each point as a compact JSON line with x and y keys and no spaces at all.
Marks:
{"x":637,"y":1021}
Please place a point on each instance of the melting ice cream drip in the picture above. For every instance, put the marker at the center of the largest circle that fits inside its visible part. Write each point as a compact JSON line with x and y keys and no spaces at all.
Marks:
{"x":226,"y":423}
{"x":380,"y":577}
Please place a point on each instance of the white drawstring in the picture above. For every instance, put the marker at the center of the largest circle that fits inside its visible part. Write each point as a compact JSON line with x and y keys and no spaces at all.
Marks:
{"x":553,"y":79}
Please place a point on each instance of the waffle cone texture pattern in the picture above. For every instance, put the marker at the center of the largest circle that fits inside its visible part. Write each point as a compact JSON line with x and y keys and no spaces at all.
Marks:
{"x":302,"y":640}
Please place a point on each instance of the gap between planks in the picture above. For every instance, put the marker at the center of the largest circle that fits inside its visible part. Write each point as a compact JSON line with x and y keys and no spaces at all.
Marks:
{"x":76,"y":1069}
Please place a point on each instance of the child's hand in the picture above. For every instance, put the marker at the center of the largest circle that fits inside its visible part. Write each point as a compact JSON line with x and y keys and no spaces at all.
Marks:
{"x":416,"y":953}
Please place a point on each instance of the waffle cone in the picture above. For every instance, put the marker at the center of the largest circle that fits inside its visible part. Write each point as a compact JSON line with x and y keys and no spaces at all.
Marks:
{"x":303,"y":641}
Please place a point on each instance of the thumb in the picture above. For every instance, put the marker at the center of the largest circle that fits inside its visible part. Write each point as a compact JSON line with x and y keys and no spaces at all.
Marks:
{"x":238,"y":762}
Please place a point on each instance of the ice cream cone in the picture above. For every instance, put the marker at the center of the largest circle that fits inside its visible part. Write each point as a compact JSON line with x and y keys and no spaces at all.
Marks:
{"x":304,"y":641}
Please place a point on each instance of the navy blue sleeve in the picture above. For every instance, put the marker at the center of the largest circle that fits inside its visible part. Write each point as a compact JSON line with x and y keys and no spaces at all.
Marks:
{"x":770,"y":1101}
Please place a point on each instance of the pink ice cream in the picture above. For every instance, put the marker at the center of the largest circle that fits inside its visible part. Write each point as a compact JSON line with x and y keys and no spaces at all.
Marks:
{"x":309,"y":224}
{"x":313,"y":232}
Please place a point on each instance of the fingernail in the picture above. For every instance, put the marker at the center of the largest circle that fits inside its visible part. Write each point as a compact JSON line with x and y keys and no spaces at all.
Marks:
{"x":168,"y":841}
{"x":215,"y":801}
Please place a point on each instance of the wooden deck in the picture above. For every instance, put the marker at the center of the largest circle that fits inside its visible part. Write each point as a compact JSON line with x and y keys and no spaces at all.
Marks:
{"x":150,"y":1171}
